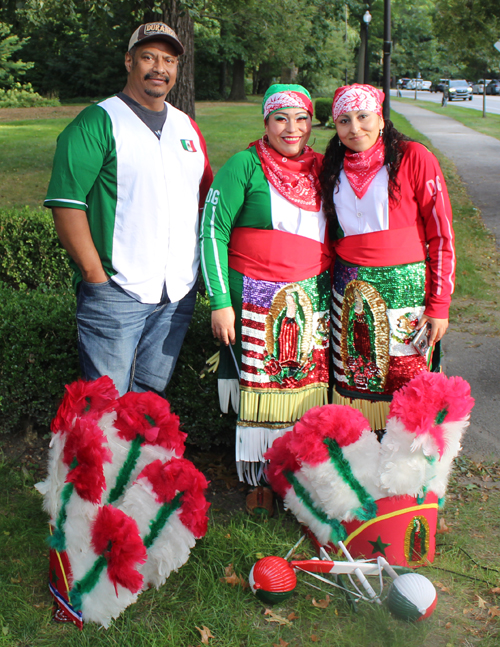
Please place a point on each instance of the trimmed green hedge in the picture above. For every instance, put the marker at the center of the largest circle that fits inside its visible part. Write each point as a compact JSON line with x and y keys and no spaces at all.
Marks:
{"x":323,"y":110}
{"x":30,"y":252}
{"x":38,"y":338}
{"x":38,"y":355}
{"x":193,"y":398}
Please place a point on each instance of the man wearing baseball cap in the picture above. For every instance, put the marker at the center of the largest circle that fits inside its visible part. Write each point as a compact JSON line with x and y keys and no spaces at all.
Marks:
{"x":129,"y":176}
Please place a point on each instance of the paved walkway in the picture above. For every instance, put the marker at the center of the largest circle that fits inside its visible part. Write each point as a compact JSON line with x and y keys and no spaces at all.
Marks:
{"x":474,"y":357}
{"x":476,"y":156}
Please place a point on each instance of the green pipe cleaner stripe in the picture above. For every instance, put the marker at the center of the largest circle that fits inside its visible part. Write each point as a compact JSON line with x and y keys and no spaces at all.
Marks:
{"x":344,"y":469}
{"x":156,"y":525}
{"x":124,"y":474}
{"x":87,"y":583}
{"x":441,"y":416}
{"x":338,"y":531}
{"x":57,"y":541}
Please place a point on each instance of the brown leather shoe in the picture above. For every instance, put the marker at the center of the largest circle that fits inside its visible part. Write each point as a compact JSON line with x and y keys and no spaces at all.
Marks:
{"x":260,"y":502}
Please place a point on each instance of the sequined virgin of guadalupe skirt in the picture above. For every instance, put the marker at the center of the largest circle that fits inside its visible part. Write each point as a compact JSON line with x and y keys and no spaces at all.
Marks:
{"x":374,"y":314}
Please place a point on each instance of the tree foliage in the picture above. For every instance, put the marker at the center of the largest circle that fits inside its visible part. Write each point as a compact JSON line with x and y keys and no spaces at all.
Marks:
{"x":469,"y":28}
{"x":11,"y":69}
{"x":77,"y":46}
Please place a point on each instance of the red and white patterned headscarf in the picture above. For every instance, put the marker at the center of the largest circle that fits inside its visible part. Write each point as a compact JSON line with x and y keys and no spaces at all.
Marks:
{"x":281,"y":96}
{"x":357,"y":97}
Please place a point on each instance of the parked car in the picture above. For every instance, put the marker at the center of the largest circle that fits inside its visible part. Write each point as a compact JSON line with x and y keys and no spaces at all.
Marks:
{"x":493,"y":87}
{"x":478,"y":87}
{"x":439,"y":85}
{"x":419,"y":84}
{"x":403,"y":82}
{"x":458,"y":89}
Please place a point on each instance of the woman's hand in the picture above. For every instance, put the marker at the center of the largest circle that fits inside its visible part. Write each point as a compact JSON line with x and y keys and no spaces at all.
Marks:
{"x":223,"y":325}
{"x":438,"y":328}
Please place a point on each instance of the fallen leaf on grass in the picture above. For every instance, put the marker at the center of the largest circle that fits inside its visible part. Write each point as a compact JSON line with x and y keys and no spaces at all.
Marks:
{"x":308,"y":596}
{"x":282,"y":643}
{"x":321,"y":604}
{"x":14,"y":580}
{"x":274,"y":617}
{"x":447,"y":625}
{"x":293,"y":616}
{"x":482,"y":604}
{"x":442,"y":587}
{"x":232,"y":578}
{"x":205,"y":634}
{"x":494,"y":612}
{"x":314,"y":638}
{"x":442,"y":527}
{"x":495,"y":590}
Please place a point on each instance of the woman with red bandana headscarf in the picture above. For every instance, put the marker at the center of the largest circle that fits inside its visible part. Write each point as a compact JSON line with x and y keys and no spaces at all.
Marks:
{"x":266,"y":262}
{"x":390,"y":218}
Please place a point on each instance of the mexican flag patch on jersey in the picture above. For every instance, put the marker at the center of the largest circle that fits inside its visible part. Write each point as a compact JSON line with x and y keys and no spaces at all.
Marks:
{"x":188,"y":145}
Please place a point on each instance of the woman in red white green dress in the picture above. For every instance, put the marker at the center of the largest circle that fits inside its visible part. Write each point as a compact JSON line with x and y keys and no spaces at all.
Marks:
{"x":266,"y":260}
{"x":390,"y":219}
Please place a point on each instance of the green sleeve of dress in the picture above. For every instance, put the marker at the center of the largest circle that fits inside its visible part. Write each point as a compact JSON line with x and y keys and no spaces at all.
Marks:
{"x":223,"y":206}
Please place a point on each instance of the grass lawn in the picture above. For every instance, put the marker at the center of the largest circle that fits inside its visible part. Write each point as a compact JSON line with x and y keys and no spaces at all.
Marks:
{"x":466,"y":571}
{"x":489,"y":125}
{"x":465,"y":574}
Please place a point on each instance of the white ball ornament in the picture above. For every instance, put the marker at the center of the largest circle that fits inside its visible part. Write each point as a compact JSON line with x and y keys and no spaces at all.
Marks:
{"x":412,"y":597}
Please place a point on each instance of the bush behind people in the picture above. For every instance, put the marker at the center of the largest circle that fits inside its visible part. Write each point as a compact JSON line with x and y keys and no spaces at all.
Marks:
{"x":38,"y":338}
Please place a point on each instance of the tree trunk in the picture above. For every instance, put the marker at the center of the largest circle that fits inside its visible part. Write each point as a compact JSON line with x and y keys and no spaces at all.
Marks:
{"x":238,"y":85}
{"x":362,"y":55}
{"x":176,"y":15}
{"x":289,"y":73}
{"x":223,"y":79}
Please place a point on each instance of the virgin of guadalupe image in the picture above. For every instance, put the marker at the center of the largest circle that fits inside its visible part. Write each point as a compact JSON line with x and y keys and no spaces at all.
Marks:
{"x":288,"y":341}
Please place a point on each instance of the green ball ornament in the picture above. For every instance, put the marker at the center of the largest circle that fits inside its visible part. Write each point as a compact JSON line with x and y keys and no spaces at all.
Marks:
{"x":272,"y":579}
{"x":412,"y":597}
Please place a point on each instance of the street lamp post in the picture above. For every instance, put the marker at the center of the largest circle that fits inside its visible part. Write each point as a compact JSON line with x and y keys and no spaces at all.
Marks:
{"x":366,"y":19}
{"x":387,"y":59}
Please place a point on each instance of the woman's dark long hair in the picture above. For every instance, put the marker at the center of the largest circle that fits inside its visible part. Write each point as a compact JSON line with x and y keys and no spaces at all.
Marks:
{"x":394,"y":142}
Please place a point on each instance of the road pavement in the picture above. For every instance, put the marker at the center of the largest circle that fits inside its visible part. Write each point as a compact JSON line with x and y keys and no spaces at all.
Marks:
{"x":475,"y":357}
{"x":492,"y":101}
{"x":476,"y":156}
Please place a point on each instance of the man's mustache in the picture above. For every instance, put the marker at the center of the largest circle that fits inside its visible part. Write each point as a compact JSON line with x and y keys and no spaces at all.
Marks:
{"x":163,"y":77}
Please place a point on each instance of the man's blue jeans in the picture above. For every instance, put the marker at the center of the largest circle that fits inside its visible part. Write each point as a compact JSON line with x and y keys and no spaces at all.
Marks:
{"x":135,"y":344}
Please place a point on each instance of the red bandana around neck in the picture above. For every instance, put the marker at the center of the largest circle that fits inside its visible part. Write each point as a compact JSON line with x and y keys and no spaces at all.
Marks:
{"x":295,"y":179}
{"x":362,"y":167}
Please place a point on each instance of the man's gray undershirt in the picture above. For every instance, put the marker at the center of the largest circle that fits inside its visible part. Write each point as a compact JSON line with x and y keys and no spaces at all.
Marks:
{"x":153,"y":120}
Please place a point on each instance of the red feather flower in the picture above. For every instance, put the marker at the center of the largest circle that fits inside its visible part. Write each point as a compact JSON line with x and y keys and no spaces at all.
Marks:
{"x":81,"y":397}
{"x":85,"y":453}
{"x":116,"y":536}
{"x":281,"y":460}
{"x":338,"y":422}
{"x":148,"y":415}
{"x":430,"y":399}
{"x":180,"y":475}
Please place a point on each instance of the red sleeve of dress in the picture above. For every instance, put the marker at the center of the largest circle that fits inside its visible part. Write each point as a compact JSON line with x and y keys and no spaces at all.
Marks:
{"x":435,"y":209}
{"x":208,"y":176}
